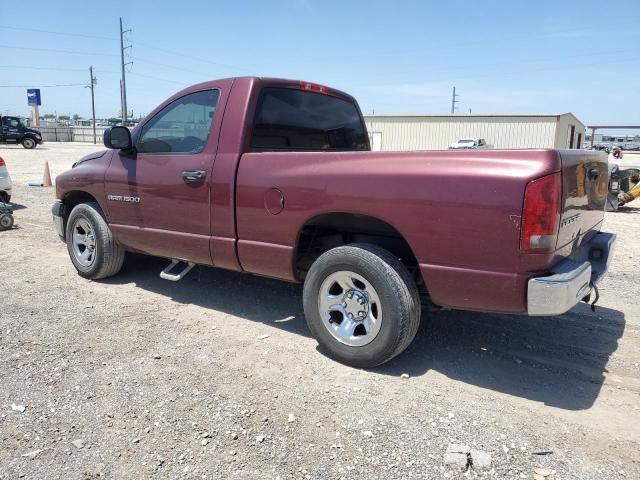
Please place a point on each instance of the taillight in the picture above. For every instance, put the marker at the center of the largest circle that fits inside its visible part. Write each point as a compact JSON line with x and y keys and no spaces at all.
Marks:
{"x":314,"y":87}
{"x":541,"y":214}
{"x":2,"y":164}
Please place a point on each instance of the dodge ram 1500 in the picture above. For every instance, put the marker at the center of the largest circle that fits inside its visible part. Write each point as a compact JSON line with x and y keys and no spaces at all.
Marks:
{"x":276,"y":178}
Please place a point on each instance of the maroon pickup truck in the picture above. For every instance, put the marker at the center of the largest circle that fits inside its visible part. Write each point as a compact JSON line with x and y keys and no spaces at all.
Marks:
{"x":275,"y":178}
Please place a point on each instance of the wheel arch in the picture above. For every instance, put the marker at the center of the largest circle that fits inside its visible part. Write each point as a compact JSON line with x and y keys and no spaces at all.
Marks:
{"x":76,"y":197}
{"x":332,"y":229}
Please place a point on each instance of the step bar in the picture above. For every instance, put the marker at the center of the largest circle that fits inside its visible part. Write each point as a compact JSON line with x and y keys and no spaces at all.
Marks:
{"x":174,"y":277}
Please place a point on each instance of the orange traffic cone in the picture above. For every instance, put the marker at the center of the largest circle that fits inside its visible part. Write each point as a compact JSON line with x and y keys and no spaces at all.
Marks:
{"x":46,"y":176}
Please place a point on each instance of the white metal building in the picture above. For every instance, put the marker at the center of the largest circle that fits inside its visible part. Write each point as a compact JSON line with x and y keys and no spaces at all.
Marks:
{"x":436,"y":132}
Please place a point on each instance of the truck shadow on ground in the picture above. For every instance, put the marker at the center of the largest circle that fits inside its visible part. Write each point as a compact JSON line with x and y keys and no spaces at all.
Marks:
{"x":627,"y":209}
{"x":560,"y":361}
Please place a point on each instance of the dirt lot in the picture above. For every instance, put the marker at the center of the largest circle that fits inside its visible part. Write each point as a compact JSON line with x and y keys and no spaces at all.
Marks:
{"x":216,"y":376}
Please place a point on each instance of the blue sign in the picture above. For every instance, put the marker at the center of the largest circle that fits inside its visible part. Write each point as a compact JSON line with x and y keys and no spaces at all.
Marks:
{"x":33,"y":96}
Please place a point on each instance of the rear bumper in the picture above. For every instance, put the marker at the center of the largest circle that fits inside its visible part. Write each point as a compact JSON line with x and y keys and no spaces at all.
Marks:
{"x":58,"y":218}
{"x":572,"y":279}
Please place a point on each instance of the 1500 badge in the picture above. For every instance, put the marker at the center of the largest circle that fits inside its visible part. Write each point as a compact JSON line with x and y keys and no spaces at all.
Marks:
{"x":123,"y":198}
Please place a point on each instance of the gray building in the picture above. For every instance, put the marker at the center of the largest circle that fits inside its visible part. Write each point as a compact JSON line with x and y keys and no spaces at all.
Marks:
{"x":437,"y":132}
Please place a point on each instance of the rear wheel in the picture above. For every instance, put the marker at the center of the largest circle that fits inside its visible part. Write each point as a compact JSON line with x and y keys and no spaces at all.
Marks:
{"x":28,"y":143}
{"x":361,"y":305}
{"x":90,"y":243}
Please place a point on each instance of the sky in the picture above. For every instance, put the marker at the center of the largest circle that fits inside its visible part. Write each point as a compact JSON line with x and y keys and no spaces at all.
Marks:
{"x":395,"y":57}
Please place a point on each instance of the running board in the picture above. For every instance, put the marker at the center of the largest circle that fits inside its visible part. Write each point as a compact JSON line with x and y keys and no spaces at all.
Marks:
{"x":174,"y":277}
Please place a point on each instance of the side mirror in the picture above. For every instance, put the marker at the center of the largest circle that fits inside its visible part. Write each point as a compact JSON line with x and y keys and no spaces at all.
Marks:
{"x":118,"y":138}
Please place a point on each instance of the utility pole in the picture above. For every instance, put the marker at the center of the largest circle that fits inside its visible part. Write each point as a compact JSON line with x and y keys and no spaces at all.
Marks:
{"x":454,"y":101}
{"x":123,"y":83}
{"x":92,"y":82}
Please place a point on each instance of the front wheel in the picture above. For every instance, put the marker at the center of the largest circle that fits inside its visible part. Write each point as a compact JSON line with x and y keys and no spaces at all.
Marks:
{"x":28,"y":143}
{"x":361,"y":305}
{"x":91,"y":246}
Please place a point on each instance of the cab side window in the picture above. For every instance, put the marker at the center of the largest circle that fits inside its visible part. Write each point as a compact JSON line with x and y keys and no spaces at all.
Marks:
{"x":288,"y":119}
{"x":10,"y":122}
{"x":183,"y":126}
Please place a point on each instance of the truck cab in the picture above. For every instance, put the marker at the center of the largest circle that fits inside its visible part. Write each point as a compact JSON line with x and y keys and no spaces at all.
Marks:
{"x":13,"y":130}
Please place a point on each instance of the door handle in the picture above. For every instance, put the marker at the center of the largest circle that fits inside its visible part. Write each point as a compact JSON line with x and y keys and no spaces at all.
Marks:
{"x":194,"y":176}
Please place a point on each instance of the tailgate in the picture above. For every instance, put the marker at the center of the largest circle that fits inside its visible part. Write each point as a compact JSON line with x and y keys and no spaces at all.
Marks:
{"x":585,"y":185}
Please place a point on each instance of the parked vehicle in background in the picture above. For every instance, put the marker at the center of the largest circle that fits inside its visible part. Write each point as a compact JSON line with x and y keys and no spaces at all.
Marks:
{"x":5,"y":182}
{"x":12,"y":130}
{"x":469,"y":143}
{"x":275,"y":178}
{"x":602,"y":147}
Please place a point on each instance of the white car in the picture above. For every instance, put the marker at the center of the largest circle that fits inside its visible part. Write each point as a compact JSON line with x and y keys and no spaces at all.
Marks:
{"x":5,"y":182}
{"x":466,"y":143}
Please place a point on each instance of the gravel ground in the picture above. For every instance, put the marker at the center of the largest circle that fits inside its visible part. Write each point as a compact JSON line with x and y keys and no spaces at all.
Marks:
{"x":216,"y":376}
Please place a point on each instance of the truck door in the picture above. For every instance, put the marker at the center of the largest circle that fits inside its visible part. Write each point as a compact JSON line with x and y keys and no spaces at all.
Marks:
{"x":158,"y":199}
{"x":10,"y":129}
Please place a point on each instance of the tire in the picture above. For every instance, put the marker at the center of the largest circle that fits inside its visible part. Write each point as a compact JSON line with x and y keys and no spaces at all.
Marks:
{"x":101,"y":256}
{"x":29,"y":143}
{"x":384,"y":290}
{"x":6,"y":222}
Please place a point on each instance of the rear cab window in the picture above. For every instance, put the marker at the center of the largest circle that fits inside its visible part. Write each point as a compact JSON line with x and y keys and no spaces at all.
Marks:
{"x":288,"y":119}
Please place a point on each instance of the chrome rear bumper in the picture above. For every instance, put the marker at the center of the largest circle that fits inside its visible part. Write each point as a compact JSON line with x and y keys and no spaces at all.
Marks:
{"x":572,"y":279}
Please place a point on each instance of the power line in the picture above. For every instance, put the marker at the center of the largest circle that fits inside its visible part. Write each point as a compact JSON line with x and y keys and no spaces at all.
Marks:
{"x":30,"y":67}
{"x":44,"y":86}
{"x":159,"y":79}
{"x":34,"y":67}
{"x":193,"y":57}
{"x":53,"y":50}
{"x":146,"y":45}
{"x":173,"y":67}
{"x":51,"y":32}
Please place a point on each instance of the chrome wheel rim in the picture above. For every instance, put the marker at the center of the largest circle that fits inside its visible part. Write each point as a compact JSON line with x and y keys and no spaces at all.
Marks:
{"x":350,"y":308}
{"x":83,"y":242}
